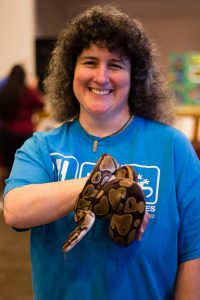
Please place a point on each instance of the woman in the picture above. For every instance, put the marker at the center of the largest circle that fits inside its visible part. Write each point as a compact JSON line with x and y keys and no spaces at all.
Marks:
{"x":104,"y":85}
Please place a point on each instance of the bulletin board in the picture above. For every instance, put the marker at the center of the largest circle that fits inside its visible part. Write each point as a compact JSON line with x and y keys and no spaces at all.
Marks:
{"x":184,"y":77}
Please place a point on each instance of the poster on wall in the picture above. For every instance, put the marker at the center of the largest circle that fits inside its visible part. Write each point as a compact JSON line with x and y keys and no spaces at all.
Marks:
{"x":184,"y":77}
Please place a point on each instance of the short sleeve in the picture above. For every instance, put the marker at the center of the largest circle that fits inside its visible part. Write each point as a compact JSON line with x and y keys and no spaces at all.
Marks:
{"x":187,"y":174}
{"x":32,"y":164}
{"x":189,"y":235}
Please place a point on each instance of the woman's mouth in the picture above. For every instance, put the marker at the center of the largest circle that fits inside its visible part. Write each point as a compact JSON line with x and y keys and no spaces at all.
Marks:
{"x":100,"y":92}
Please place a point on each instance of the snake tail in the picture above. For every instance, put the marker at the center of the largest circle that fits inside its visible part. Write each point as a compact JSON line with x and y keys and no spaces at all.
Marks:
{"x":80,"y":231}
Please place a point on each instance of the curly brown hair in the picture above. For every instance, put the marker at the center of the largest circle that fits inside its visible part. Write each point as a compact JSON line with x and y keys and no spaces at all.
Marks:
{"x":149,"y":96}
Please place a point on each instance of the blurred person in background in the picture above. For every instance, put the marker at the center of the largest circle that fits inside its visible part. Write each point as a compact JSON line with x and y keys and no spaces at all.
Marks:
{"x":18,"y":102}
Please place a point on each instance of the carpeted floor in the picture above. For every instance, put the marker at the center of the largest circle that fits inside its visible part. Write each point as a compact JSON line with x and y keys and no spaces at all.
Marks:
{"x":15,"y":273}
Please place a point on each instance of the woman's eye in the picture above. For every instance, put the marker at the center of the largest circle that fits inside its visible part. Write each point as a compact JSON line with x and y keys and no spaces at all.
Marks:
{"x":89,"y":63}
{"x":116,"y":66}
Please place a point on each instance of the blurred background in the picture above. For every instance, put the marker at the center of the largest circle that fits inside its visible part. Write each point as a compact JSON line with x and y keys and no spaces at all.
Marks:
{"x":28,"y":30}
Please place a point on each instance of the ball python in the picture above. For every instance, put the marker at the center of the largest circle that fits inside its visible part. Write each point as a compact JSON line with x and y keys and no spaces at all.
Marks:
{"x":111,"y":192}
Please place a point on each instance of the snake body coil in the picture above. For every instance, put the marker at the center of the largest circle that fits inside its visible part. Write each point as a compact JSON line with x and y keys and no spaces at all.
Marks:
{"x":111,"y":192}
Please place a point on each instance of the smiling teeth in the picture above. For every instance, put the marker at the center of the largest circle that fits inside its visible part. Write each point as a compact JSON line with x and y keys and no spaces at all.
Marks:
{"x":100,"y":92}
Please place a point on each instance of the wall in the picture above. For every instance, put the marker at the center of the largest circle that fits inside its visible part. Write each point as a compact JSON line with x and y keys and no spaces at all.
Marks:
{"x":17,"y":31}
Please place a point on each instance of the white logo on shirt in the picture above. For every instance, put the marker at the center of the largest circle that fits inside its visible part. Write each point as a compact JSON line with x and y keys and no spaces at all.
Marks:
{"x":68,"y":167}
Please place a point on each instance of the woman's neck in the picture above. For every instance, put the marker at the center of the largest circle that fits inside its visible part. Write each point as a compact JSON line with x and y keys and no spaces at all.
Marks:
{"x":102,"y":127}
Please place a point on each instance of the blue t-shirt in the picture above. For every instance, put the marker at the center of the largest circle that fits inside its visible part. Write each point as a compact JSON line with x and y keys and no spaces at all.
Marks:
{"x":97,"y":268}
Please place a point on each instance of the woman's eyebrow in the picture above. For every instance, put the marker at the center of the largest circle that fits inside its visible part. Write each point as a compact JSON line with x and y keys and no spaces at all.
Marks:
{"x":113,"y":60}
{"x":88,"y":57}
{"x":118,"y":60}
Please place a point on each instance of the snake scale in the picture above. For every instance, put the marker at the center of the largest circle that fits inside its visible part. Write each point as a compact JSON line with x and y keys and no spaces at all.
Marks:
{"x":111,"y":192}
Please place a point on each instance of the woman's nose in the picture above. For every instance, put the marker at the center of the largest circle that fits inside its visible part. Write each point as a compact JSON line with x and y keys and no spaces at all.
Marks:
{"x":101,"y":75}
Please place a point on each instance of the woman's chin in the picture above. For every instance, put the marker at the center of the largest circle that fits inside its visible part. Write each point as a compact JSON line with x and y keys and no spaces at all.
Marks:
{"x":99,"y":111}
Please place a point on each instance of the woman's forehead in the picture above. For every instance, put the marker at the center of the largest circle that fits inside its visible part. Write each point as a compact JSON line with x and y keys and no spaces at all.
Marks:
{"x":95,"y":48}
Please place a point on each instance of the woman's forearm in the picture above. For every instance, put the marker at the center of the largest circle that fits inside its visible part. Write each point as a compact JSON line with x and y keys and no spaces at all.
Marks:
{"x":39,"y":204}
{"x":188,"y":281}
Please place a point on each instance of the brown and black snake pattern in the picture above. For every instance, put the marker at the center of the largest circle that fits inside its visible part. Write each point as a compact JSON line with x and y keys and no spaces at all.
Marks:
{"x":111,"y":192}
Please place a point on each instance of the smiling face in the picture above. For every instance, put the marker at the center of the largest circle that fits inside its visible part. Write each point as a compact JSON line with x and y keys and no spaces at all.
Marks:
{"x":102,"y":84}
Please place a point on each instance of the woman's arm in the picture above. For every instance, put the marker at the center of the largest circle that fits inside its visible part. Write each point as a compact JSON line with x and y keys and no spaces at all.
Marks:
{"x":188,"y":281}
{"x":39,"y":204}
